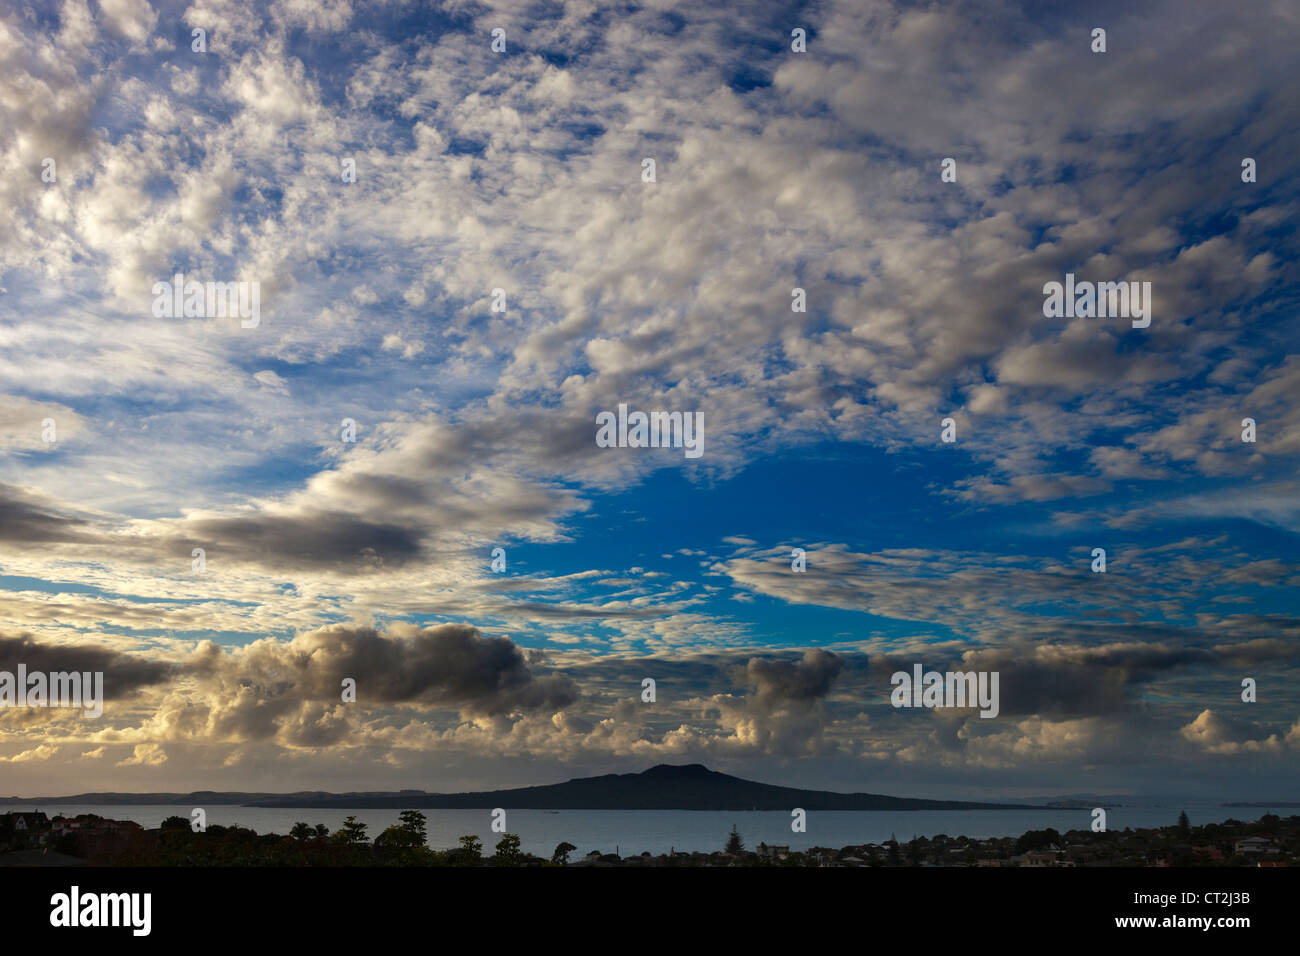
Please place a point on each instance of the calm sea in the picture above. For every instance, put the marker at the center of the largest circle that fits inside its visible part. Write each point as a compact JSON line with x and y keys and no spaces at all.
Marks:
{"x":633,"y":831}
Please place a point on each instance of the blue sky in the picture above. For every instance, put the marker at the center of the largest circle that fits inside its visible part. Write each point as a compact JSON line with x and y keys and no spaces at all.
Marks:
{"x":522,"y":170}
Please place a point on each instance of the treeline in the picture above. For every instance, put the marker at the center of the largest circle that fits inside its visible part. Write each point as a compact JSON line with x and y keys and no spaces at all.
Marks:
{"x":403,"y":844}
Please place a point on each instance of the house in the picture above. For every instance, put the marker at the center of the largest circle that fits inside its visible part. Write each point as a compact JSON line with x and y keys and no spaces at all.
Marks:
{"x":773,"y":852}
{"x":1078,"y":853}
{"x":21,"y":830}
{"x":100,"y":839}
{"x":91,"y":821}
{"x":1255,"y":845}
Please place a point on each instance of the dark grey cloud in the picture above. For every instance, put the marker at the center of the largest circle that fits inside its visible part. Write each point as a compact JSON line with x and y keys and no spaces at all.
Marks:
{"x":449,"y":666}
{"x":124,"y":674}
{"x":782,"y":683}
{"x":1062,"y":681}
{"x":309,"y":540}
{"x":27,"y":517}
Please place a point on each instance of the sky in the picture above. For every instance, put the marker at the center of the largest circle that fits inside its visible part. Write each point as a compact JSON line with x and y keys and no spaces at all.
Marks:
{"x":461,"y":250}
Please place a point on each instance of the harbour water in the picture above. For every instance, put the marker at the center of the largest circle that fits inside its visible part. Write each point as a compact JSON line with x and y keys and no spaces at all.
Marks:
{"x":657,"y":831}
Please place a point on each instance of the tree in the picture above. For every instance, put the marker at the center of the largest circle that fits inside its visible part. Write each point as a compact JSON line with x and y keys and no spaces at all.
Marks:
{"x":352,"y":833}
{"x":175,"y":823}
{"x":916,"y":851}
{"x":508,"y":852}
{"x":1036,"y":840}
{"x":471,"y":851}
{"x":302,"y":831}
{"x":414,"y":822}
{"x":396,"y":837}
{"x":561,"y":854}
{"x":1184,"y":824}
{"x":322,"y":831}
{"x":734,"y":844}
